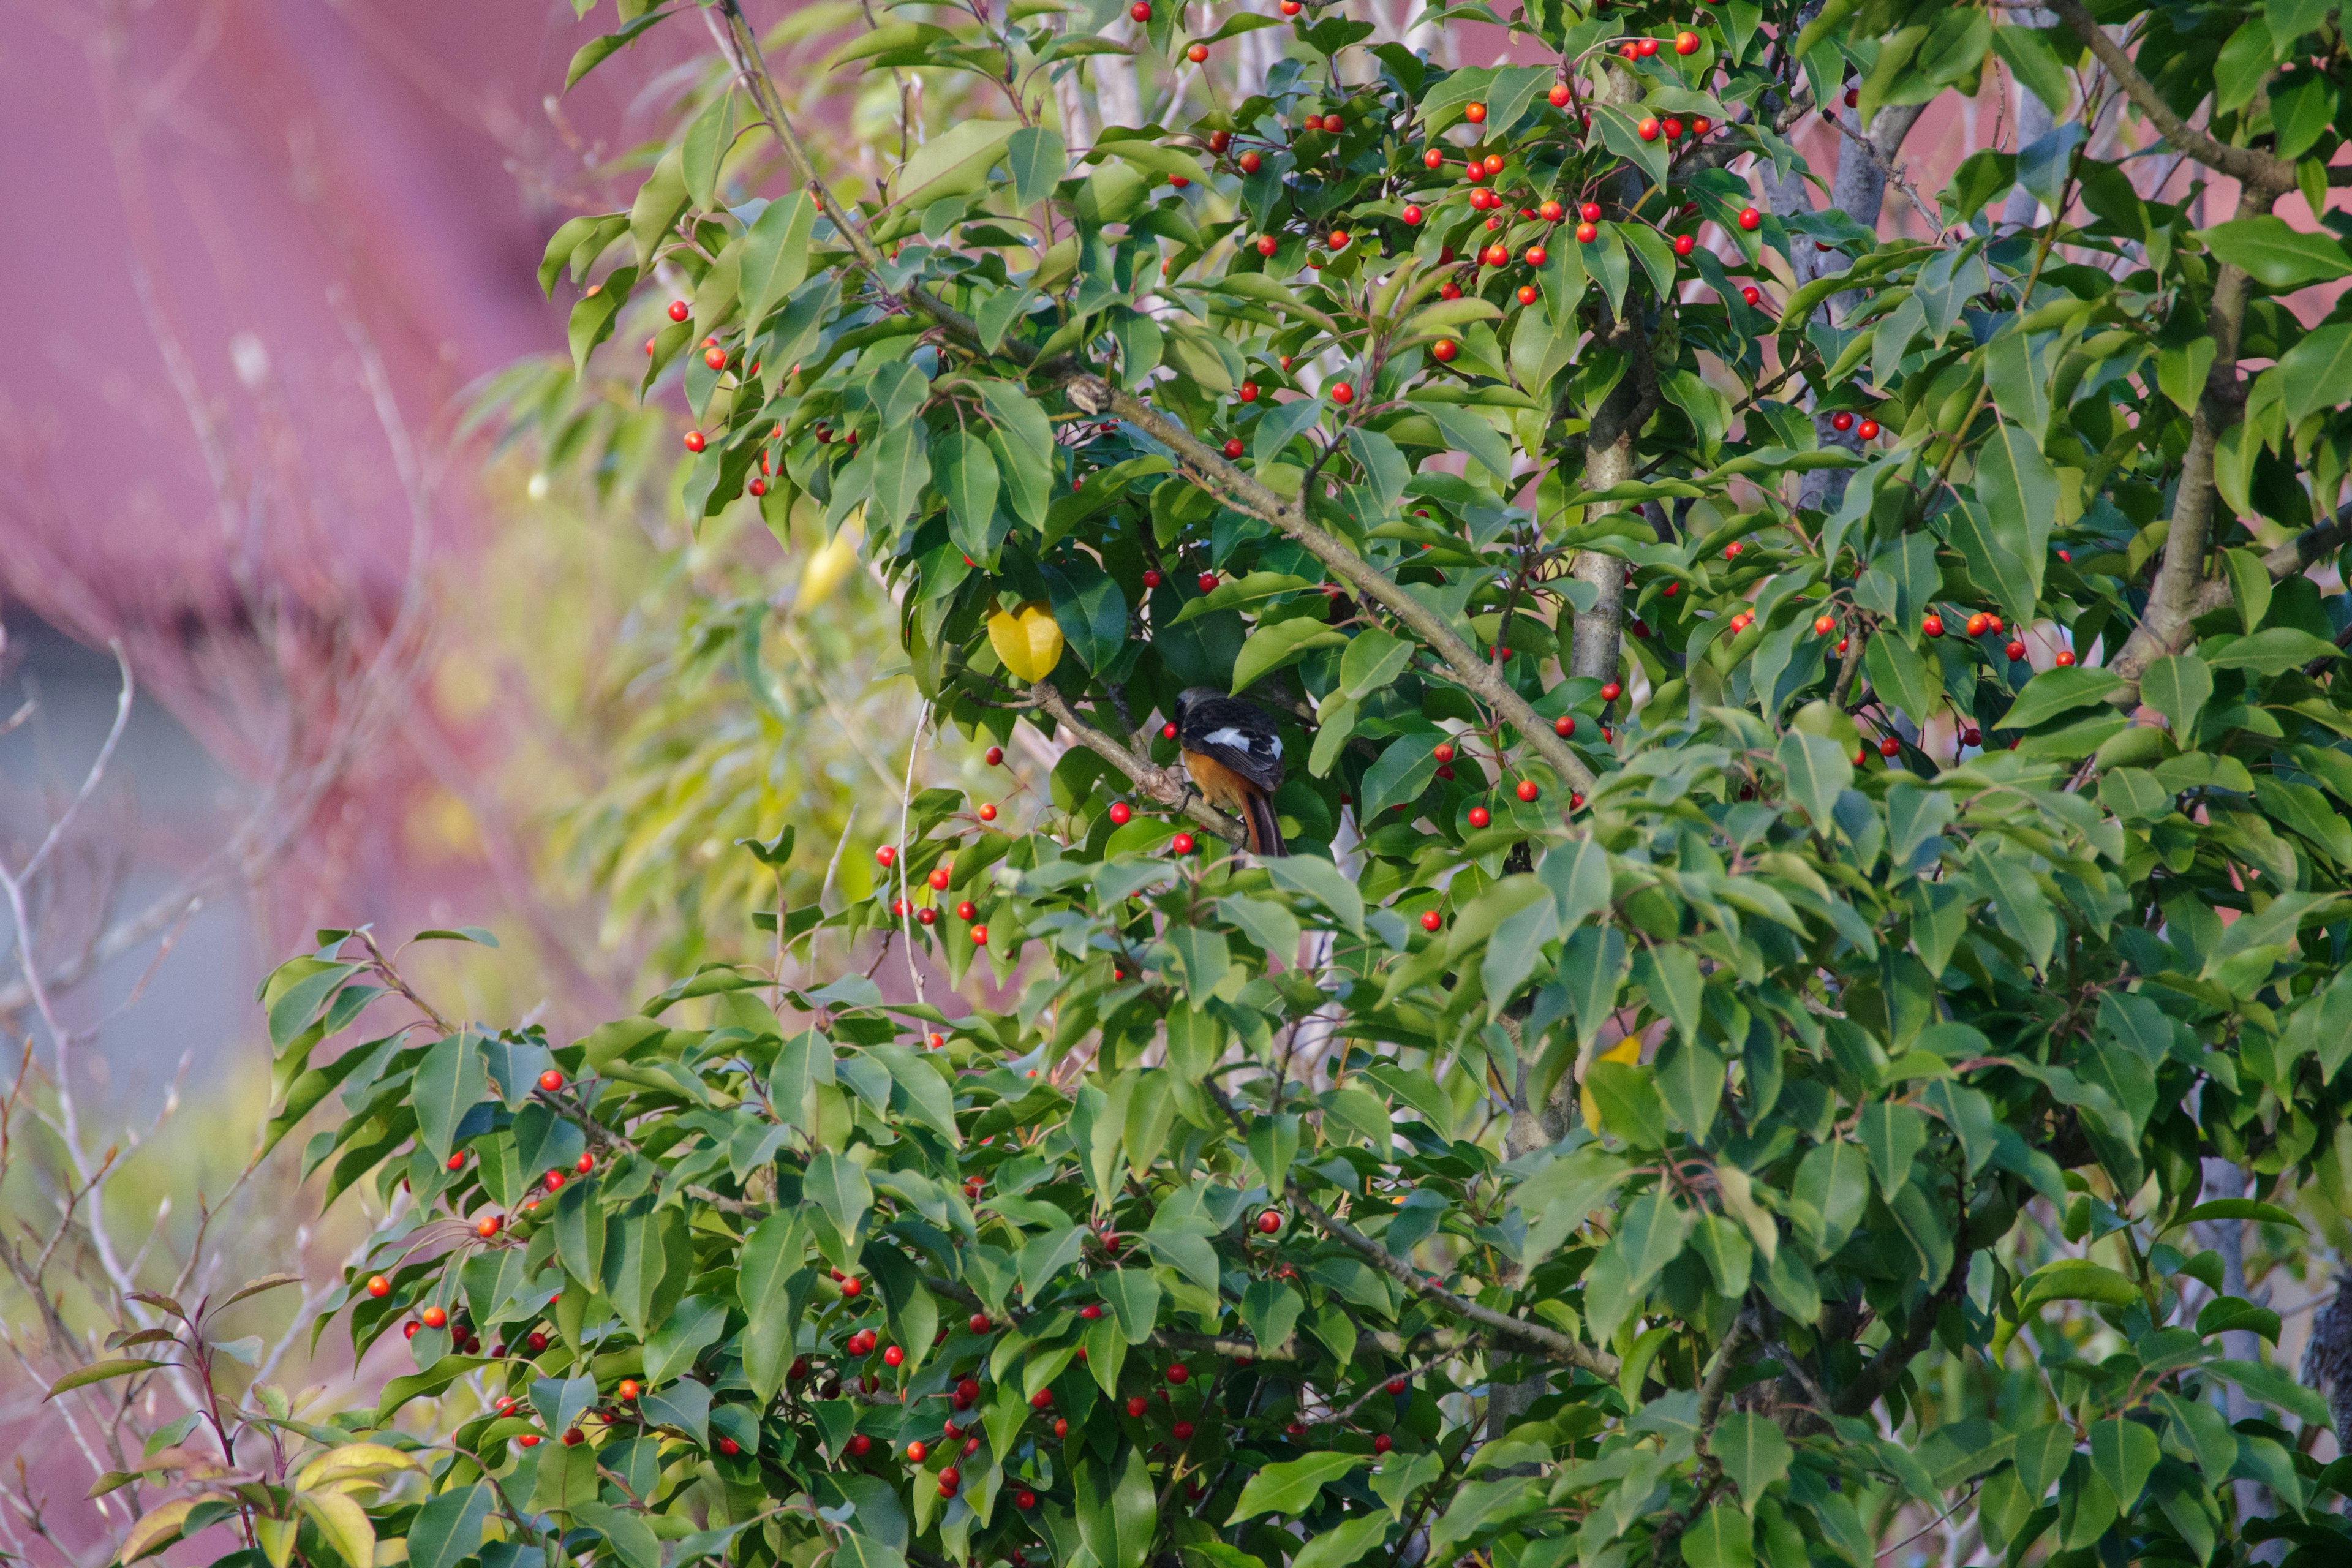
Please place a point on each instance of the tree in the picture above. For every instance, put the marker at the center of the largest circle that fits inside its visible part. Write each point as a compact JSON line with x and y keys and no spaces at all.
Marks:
{"x":1740,"y":1091}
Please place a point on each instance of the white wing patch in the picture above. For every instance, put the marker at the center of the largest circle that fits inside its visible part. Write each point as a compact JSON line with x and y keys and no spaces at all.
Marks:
{"x":1228,"y":736}
{"x":1276,"y":744}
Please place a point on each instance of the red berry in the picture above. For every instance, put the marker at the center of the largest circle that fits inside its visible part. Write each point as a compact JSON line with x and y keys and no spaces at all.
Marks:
{"x":1196,"y":54}
{"x":1444,"y":350}
{"x":1411,"y":216}
{"x":1208,"y":581}
{"x":1382,"y":1443}
{"x":1168,"y":730}
{"x":1339,"y":240}
{"x":2015,"y":649}
{"x":852,"y":1288}
{"x":1824,"y":625}
{"x":1890,"y":747}
{"x":1749,"y":218}
{"x":1701,"y":125}
{"x":1233,"y":446}
{"x":1061,"y":1429}
{"x":551,"y":1080}
{"x":1840,"y":422}
{"x":1868,"y":430}
{"x":1977,"y":624}
{"x":1181,"y":844}
{"x":379,"y":1286}
{"x":894,"y":1356}
{"x":729,"y":1446}
{"x":2067,"y":556}
{"x":1611,"y":692}
{"x":1342,"y":393}
{"x":1475,"y":113}
{"x":967,"y":1390}
{"x":716,"y":358}
{"x":1266,"y":243}
{"x":1686,"y":43}
{"x":1932,"y":625}
{"x":1136,"y":1405}
{"x":1971,"y":736}
{"x":1647,"y":130}
{"x":1534,"y":256}
{"x":1249,"y":393}
{"x":1752,"y":294}
{"x":678,"y":310}
{"x":1431,"y":919}
{"x":535,"y":1341}
{"x":1559,"y":95}
{"x":1528,"y":789}
{"x":916,"y":1452}
{"x":628,"y":1389}
{"x":1182,"y":1431}
{"x":1178,"y":1373}
{"x":1480,"y":817}
{"x":2065,"y":658}
{"x":1140,"y":11}
{"x":1091,"y":1311}
{"x":1398,"y":1386}
{"x":694,"y":441}
{"x":432,"y":1317}
{"x":1564,"y":726}
{"x":1646,"y":47}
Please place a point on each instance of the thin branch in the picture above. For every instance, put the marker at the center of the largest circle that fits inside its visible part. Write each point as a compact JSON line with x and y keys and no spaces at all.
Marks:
{"x":2248,"y":165}
{"x":1170,"y":786}
{"x":1517,"y":1332}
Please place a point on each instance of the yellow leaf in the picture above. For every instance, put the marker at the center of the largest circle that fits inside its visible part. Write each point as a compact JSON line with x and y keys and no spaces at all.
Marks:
{"x":832,"y":563}
{"x":1627,"y":1050}
{"x":1028,"y":641}
{"x":344,"y":1522}
{"x":156,"y":1529}
{"x":276,"y":1537}
{"x":357,"y":1459}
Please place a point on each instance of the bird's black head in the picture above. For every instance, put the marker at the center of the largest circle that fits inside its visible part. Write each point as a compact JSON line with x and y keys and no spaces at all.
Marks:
{"x":1192,"y":697}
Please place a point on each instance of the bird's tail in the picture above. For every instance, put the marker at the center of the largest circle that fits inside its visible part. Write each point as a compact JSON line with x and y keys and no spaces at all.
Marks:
{"x":1264,"y":833}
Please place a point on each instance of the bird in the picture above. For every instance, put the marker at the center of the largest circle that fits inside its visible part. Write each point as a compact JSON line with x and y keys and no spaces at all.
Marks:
{"x":1235,"y":757}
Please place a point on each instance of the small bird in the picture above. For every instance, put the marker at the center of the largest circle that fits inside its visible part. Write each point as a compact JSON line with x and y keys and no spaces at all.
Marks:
{"x":1235,"y":757}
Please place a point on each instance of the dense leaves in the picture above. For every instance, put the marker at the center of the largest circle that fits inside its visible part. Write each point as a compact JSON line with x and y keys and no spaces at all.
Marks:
{"x":1737,"y":1093}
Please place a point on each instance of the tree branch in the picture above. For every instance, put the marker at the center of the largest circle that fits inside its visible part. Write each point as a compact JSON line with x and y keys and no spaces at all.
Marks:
{"x":2171,"y":600}
{"x":1515,"y":1332}
{"x":1888,"y":1365}
{"x":1170,"y":786}
{"x":1206,"y":464}
{"x":2248,"y":165}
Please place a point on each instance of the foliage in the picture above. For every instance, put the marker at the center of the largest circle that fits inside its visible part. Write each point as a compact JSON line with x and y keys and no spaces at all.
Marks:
{"x":1658,"y":1055}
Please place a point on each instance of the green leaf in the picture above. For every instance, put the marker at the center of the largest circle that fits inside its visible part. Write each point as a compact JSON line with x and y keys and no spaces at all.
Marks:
{"x":1373,"y":659}
{"x":684,"y":1405}
{"x":1292,"y":1486}
{"x":450,"y":1081}
{"x":1831,"y":1194}
{"x":775,"y":254}
{"x":954,"y":162}
{"x":1752,"y":1451}
{"x":837,"y":1185}
{"x":2239,"y":1209}
{"x":2317,"y":372}
{"x":1117,"y":1520}
{"x":706,"y":141}
{"x":1470,"y":434}
{"x":2035,"y":62}
{"x":1563,"y":1194}
{"x":2177,"y":686}
{"x":1134,"y":1296}
{"x":597,"y":51}
{"x":1036,"y":157}
{"x":1996,"y":554}
{"x":2273,"y":254}
{"x":1898,"y":671}
{"x":1401,"y":773}
{"x":1817,"y":769}
{"x":965,"y":471}
{"x":1722,"y":1537}
{"x":1651,"y":1235}
{"x":2273,"y":651}
{"x":694,"y":1327}
{"x":1339,"y":1547}
{"x":99,"y":1372}
{"x":633,"y":1541}
{"x":1618,"y":131}
{"x":658,"y":202}
{"x":1283,"y":644}
{"x":448,"y":1528}
{"x":2060,"y":691}
{"x":2074,"y":1279}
